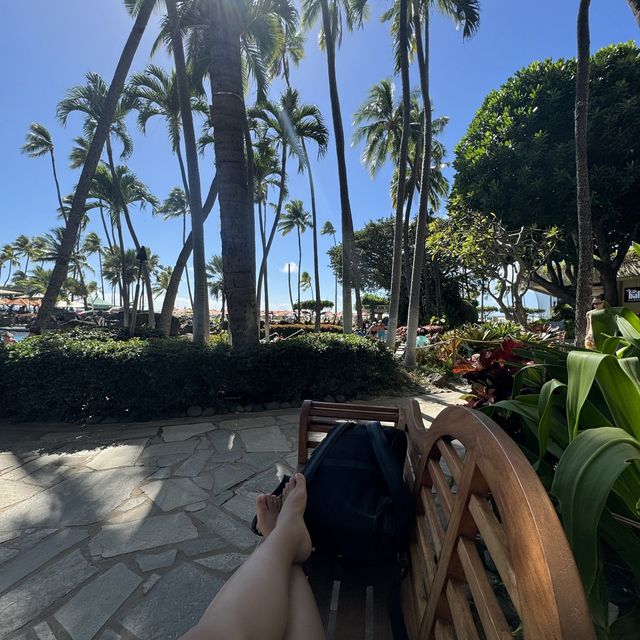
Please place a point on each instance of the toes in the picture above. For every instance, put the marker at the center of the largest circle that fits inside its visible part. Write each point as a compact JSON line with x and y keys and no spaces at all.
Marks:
{"x":261,"y":503}
{"x":273,"y":502}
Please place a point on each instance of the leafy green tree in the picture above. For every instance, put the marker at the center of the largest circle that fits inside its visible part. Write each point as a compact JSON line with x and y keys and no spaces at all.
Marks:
{"x":38,"y":144}
{"x":295,"y":217}
{"x":99,"y":135}
{"x":517,"y":156}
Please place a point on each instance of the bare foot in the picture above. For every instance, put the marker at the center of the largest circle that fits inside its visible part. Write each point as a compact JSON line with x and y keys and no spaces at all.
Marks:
{"x":291,"y":517}
{"x":267,"y":508}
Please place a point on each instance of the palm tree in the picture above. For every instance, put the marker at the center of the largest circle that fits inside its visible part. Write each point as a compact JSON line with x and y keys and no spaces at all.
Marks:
{"x":290,"y":125}
{"x":163,"y":277}
{"x":265,"y":175}
{"x":176,"y":205}
{"x":380,"y":124}
{"x":93,"y":245}
{"x":156,"y":93}
{"x":295,"y":217}
{"x":634,"y":5}
{"x":38,"y":144}
{"x":89,"y":100}
{"x":583,"y":195}
{"x":118,"y":194}
{"x":329,"y":230}
{"x":215,"y":273}
{"x":467,"y":13}
{"x":9,"y":256}
{"x":100,"y":134}
{"x":331,"y":12}
{"x":306,"y":282}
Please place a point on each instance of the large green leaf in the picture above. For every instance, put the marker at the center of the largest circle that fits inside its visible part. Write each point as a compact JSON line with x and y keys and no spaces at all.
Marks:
{"x":620,"y":392}
{"x":584,"y":477}
{"x":545,"y":405}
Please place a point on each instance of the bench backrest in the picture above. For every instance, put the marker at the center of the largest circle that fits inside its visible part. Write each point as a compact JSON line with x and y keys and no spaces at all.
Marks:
{"x":488,"y":553}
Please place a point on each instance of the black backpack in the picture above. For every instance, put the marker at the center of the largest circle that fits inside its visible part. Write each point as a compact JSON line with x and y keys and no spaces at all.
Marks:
{"x":358,"y":505}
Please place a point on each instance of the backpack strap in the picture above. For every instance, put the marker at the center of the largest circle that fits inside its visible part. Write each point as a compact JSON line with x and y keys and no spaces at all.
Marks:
{"x":388,"y":465}
{"x":321,"y":452}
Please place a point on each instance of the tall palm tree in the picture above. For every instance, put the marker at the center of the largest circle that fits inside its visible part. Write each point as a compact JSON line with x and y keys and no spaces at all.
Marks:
{"x":295,"y":217}
{"x":634,"y":5}
{"x":291,"y":125}
{"x":176,"y":205}
{"x":583,"y":195}
{"x":466,"y":13}
{"x":9,"y":256}
{"x":380,"y":124}
{"x":306,"y":283}
{"x":215,"y":273}
{"x":22,"y":247}
{"x":92,"y":245}
{"x":163,"y":277}
{"x":118,"y":194}
{"x":89,"y":99}
{"x":331,"y":13}
{"x":266,"y":174}
{"x":329,"y":230}
{"x":38,"y":144}
{"x":100,"y":134}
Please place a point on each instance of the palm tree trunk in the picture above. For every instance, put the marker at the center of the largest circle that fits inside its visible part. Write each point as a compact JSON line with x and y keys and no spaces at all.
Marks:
{"x":263,"y":241}
{"x":634,"y":5}
{"x":293,"y":307}
{"x":585,"y":226}
{"x":276,"y":218}
{"x":421,"y":223}
{"x":164,"y":323}
{"x":186,"y":273}
{"x":185,"y":184}
{"x":77,"y":212}
{"x":396,"y":269}
{"x":101,"y":274}
{"x":299,"y":268}
{"x":348,"y":253}
{"x":314,"y":229}
{"x":201,"y":293}
{"x":237,"y":224}
{"x":124,"y":288}
{"x":63,"y":209}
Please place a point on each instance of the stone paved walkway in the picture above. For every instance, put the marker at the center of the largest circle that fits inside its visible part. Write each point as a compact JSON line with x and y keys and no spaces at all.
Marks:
{"x":127,"y":532}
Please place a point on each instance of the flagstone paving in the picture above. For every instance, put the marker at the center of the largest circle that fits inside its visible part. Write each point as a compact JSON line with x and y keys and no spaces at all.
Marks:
{"x":125,"y":532}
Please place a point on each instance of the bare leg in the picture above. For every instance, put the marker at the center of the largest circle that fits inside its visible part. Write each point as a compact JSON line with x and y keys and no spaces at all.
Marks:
{"x":304,"y":618}
{"x":254,"y":603}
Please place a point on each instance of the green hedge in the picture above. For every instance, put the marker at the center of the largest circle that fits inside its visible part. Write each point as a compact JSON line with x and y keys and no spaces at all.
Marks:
{"x":61,"y":377}
{"x":285,"y":330}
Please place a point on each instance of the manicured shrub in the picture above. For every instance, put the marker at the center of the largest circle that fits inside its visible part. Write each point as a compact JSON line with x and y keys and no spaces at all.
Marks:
{"x":286,"y":330}
{"x":67,"y":377}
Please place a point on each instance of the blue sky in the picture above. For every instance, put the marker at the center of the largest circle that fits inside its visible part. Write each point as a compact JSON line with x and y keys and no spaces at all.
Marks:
{"x":47,"y":47}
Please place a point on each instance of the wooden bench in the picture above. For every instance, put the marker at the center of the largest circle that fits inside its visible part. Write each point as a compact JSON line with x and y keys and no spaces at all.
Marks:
{"x":488,"y":557}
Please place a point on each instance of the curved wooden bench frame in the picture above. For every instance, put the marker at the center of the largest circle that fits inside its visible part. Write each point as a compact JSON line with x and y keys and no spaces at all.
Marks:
{"x":475,"y":494}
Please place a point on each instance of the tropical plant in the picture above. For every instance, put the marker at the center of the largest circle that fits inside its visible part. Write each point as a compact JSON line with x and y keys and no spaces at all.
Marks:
{"x":579,"y":411}
{"x":295,"y":217}
{"x":38,"y":144}
{"x":215,"y":273}
{"x":331,"y":13}
{"x":306,"y":282}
